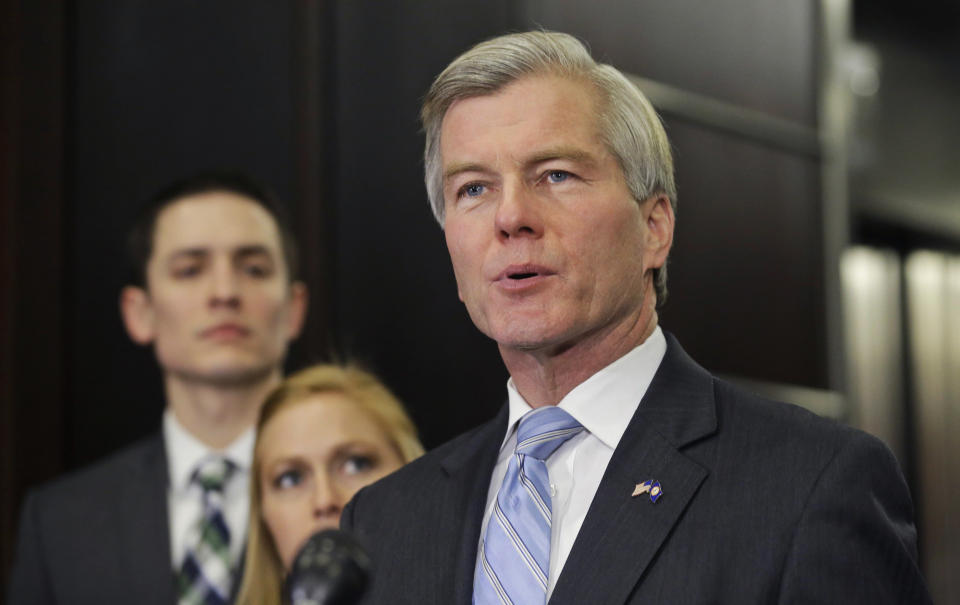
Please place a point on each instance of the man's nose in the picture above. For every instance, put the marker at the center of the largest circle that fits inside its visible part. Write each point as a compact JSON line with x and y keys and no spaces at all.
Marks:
{"x":224,"y":287}
{"x":518,"y":212}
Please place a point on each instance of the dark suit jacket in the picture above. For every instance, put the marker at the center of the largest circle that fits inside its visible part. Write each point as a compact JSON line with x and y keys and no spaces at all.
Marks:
{"x":98,"y":536}
{"x":762,"y":503}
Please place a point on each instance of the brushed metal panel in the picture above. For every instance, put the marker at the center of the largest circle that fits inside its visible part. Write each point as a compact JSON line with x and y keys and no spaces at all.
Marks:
{"x":933,"y":299}
{"x":872,"y":324}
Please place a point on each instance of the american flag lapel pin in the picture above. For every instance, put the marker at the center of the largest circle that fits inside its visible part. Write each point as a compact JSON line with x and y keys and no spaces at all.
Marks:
{"x":649,"y":486}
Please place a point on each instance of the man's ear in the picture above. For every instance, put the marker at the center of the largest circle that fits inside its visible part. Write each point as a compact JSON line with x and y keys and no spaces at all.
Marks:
{"x":659,"y":217}
{"x":297,"y":310}
{"x":137,"y":314}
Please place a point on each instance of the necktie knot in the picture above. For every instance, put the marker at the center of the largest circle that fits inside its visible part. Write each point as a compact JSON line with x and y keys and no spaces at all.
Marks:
{"x":543,"y":430}
{"x":213,"y":473}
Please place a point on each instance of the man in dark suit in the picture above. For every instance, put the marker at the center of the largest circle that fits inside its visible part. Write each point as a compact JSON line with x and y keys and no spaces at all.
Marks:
{"x":165,"y":520}
{"x":619,"y":471}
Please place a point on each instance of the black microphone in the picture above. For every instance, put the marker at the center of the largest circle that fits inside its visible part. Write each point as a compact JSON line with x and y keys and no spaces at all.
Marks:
{"x":331,"y":569}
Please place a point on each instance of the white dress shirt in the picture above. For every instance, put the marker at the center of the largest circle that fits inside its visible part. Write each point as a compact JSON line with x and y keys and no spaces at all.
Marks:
{"x":604,"y":404}
{"x":185,"y":498}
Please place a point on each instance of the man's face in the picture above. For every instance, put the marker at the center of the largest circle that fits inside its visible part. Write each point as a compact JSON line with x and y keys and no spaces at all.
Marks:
{"x":219,"y":306}
{"x":548,"y":246}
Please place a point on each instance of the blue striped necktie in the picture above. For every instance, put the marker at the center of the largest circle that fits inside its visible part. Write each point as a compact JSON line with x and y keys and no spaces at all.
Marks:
{"x":206,"y":576}
{"x":514,"y":559}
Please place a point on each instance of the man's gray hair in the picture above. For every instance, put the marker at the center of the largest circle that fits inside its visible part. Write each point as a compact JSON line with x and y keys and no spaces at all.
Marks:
{"x":629,"y":126}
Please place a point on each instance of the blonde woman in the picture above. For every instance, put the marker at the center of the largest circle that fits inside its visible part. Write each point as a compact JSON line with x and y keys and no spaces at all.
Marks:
{"x":324,"y":433}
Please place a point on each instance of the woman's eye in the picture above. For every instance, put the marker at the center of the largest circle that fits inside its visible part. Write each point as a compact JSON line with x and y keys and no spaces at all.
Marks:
{"x":287,"y":479}
{"x":355,"y":465}
{"x":557,"y":176}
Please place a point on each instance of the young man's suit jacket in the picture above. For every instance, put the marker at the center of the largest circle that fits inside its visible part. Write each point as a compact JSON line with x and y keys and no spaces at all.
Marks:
{"x":762,"y":502}
{"x":98,"y":536}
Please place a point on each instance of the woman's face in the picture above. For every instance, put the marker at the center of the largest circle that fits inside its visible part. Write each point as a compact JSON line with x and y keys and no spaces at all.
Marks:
{"x":314,"y":455}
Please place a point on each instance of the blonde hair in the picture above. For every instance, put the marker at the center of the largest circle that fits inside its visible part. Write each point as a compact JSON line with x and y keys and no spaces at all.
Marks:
{"x":263,"y":570}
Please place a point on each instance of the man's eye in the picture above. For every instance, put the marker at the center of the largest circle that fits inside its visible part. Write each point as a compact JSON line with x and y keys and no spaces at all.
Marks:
{"x":287,"y":479}
{"x":354,"y":465}
{"x":557,"y":176}
{"x":186,"y":271}
{"x":472,"y":190}
{"x":255,"y":270}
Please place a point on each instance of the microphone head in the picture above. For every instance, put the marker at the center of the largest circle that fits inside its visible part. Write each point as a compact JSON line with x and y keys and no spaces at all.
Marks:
{"x":330,"y":569}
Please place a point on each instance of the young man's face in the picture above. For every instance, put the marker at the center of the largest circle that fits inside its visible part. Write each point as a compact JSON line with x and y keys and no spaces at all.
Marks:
{"x":219,"y":306}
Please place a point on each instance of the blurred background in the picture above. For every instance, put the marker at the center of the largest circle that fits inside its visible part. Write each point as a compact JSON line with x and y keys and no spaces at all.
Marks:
{"x":817,"y":256}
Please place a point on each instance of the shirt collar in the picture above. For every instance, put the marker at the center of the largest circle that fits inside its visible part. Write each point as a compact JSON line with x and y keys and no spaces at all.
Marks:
{"x":605,"y":403}
{"x":185,"y":452}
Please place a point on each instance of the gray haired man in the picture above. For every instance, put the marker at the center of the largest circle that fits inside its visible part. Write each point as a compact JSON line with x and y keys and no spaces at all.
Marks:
{"x":619,"y":471}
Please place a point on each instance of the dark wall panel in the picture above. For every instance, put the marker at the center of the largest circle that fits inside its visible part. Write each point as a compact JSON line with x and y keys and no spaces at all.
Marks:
{"x":397,"y":305}
{"x":160,"y":89}
{"x":32,"y":39}
{"x":745,"y":277}
{"x":757,"y":54}
{"x":747,"y":290}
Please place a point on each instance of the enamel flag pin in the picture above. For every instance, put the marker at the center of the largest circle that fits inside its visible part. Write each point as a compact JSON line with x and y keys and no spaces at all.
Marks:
{"x":648,"y":487}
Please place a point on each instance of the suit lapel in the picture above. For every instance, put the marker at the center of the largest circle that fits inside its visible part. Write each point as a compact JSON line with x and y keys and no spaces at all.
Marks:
{"x":469,"y":469}
{"x":621,"y":534}
{"x":143,"y":526}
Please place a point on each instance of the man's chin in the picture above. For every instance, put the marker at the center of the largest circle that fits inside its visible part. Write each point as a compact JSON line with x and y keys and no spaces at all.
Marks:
{"x":228,"y":376}
{"x":528,"y":340}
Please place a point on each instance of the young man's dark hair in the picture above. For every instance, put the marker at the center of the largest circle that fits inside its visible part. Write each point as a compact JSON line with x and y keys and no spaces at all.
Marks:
{"x":140,"y":237}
